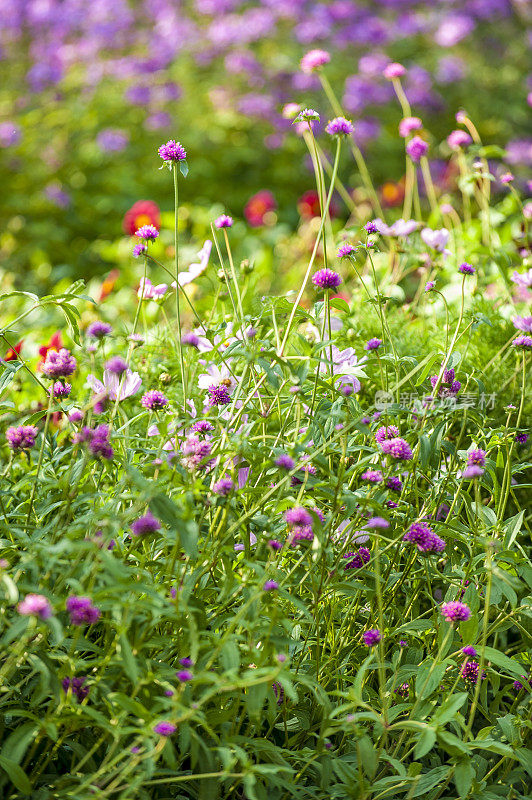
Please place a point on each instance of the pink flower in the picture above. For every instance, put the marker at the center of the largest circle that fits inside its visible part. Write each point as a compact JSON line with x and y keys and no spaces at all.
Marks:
{"x":409,"y":124}
{"x":313,"y":60}
{"x":393,"y":70}
{"x":114,"y":386}
{"x":35,"y":605}
{"x":147,"y":291}
{"x":197,"y":268}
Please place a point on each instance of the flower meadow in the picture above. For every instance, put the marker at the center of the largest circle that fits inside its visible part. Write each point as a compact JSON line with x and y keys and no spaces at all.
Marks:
{"x":265,"y":531}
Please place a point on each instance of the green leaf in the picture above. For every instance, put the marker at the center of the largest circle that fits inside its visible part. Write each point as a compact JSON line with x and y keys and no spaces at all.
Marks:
{"x":512,"y":527}
{"x":502,"y":661}
{"x":339,"y":304}
{"x":183,"y":168}
{"x":425,"y":743}
{"x":449,"y":707}
{"x":130,"y":665}
{"x":16,"y":775}
{"x":464,"y":772}
{"x":429,"y":780}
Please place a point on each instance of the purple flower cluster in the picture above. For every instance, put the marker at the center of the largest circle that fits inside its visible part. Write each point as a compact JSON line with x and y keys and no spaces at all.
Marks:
{"x":449,"y":387}
{"x":373,"y":344}
{"x":284,"y":461}
{"x":145,"y":525}
{"x":81,"y":610}
{"x":223,"y":487}
{"x":147,"y":232}
{"x":35,"y":605}
{"x":97,"y":440}
{"x":386,"y":432}
{"x":172,"y":152}
{"x":218,"y":395}
{"x":58,"y":364}
{"x":466,"y":269}
{"x":345,"y":250}
{"x":340,"y":126}
{"x":116,"y":365}
{"x":424,"y":538}
{"x":397,"y":448}
{"x":371,"y":637}
{"x":470,"y":672}
{"x":195,"y":451}
{"x":21,"y":437}
{"x":98,"y":329}
{"x":223,"y":221}
{"x":454,"y":611}
{"x":357,"y":559}
{"x":154,"y":400}
{"x":61,"y":390}
{"x":77,"y":687}
{"x":372,"y":476}
{"x":326,"y":279}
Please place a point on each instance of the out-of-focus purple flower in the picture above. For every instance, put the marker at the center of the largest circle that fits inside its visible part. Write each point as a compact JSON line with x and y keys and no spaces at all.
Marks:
{"x":223,"y":487}
{"x":184,"y":675}
{"x":82,"y":611}
{"x":195,"y":451}
{"x":373,"y":344}
{"x":203,"y":426}
{"x":409,"y":124}
{"x":154,"y":400}
{"x":21,"y":437}
{"x":165,"y":728}
{"x":139,"y":250}
{"x":115,"y":387}
{"x":371,"y":637}
{"x":56,"y":194}
{"x":223,"y":221}
{"x":59,"y":364}
{"x":116,"y":365}
{"x":270,"y":586}
{"x":394,"y":484}
{"x":298,"y":516}
{"x":372,"y":476}
{"x":284,"y":461}
{"x":377,"y":522}
{"x":399,"y":228}
{"x":313,"y":60}
{"x":523,"y":324}
{"x":437,"y":239}
{"x":145,"y":525}
{"x":394,"y":70}
{"x":477,"y":457}
{"x":148,"y":233}
{"x":98,"y":329}
{"x":417,"y":148}
{"x":36,"y":605}
{"x":112,"y":140}
{"x":275,"y":545}
{"x":10,"y":134}
{"x":429,"y":286}
{"x":469,"y":650}
{"x":77,"y":687}
{"x":458,"y":139}
{"x":472,"y":471}
{"x":506,"y":177}
{"x":452,"y":29}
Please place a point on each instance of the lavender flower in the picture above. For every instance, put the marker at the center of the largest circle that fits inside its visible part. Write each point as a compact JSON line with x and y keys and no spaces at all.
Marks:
{"x":203,"y":426}
{"x":223,"y":221}
{"x":35,"y":605}
{"x":154,"y":400}
{"x":371,"y":227}
{"x":22,"y":437}
{"x":81,"y":611}
{"x":147,"y":232}
{"x":424,"y":538}
{"x":455,"y":611}
{"x":458,"y":139}
{"x":165,"y":728}
{"x":524,"y":342}
{"x":60,"y":389}
{"x":470,"y":672}
{"x":357,"y":559}
{"x":275,"y":545}
{"x":523,"y":324}
{"x":394,"y":70}
{"x":466,"y":269}
{"x":416,"y":149}
{"x":429,"y":286}
{"x":472,"y":471}
{"x":172,"y":152}
{"x":394,"y":484}
{"x":339,"y":126}
{"x":386,"y":432}
{"x":284,"y":461}
{"x":116,"y":365}
{"x":186,"y":662}
{"x":469,"y":650}
{"x":313,"y":60}
{"x":223,"y":487}
{"x":409,"y":124}
{"x":477,"y":457}
{"x":345,"y":250}
{"x":270,"y":586}
{"x":371,"y":637}
{"x":139,"y":249}
{"x":218,"y":395}
{"x":97,"y":440}
{"x":372,"y":476}
{"x":59,"y":364}
{"x":298,"y":516}
{"x":98,"y":329}
{"x":397,"y":448}
{"x":377,"y":522}
{"x":195,"y":451}
{"x":373,"y":344}
{"x":184,"y":675}
{"x":145,"y":525}
{"x":326,"y":279}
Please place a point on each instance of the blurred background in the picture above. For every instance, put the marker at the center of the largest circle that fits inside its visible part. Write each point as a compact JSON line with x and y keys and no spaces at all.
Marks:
{"x":89,"y":90}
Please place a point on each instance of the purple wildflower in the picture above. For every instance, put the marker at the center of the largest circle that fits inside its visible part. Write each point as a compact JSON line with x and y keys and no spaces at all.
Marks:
{"x":472,"y":471}
{"x":469,"y":650}
{"x":21,"y":437}
{"x":139,"y":249}
{"x":284,"y":461}
{"x":424,"y":538}
{"x":98,"y":329}
{"x":77,"y":687}
{"x":521,"y":438}
{"x":403,"y":690}
{"x":298,"y":516}
{"x":429,"y":286}
{"x":186,"y":662}
{"x":358,"y":558}
{"x":394,"y":70}
{"x":371,"y":637}
{"x":154,"y":400}
{"x":458,"y":139}
{"x":97,"y":440}
{"x":386,"y":432}
{"x":394,"y":484}
{"x":417,"y":148}
{"x":313,"y":60}
{"x":116,"y":365}
{"x":202,"y":426}
{"x":81,"y":611}
{"x":59,"y":364}
{"x":377,"y":522}
{"x":147,"y":232}
{"x":145,"y":525}
{"x":218,"y":395}
{"x":60,"y":389}
{"x":326,"y":279}
{"x":223,"y":487}
{"x":339,"y":126}
{"x":270,"y":586}
{"x":223,"y":221}
{"x":524,"y":342}
{"x":345,"y":250}
{"x":195,"y":451}
{"x":165,"y":728}
{"x":307,"y":115}
{"x":470,"y":672}
{"x":184,"y":675}
{"x":172,"y":151}
{"x":455,"y":610}
{"x":373,"y":344}
{"x":466,"y":269}
{"x":409,"y":124}
{"x":477,"y":457}
{"x":372,"y":476}
{"x":523,"y":324}
{"x":371,"y":227}
{"x":275,"y":545}
{"x":397,"y":448}
{"x":35,"y":605}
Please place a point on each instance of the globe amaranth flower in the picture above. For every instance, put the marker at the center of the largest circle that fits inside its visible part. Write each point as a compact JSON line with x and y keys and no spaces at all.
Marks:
{"x":145,"y":525}
{"x":184,"y":675}
{"x":290,"y":110}
{"x":472,"y":471}
{"x":469,"y":650}
{"x":517,"y":685}
{"x":82,"y":611}
{"x":223,"y":221}
{"x":275,"y":545}
{"x":521,"y":438}
{"x":458,"y":139}
{"x":371,"y":227}
{"x":154,"y":400}
{"x":386,"y":432}
{"x":172,"y":152}
{"x":202,"y":426}
{"x":403,"y":690}
{"x":449,"y":387}
{"x":424,"y":538}
{"x":326,"y":279}
{"x":21,"y":437}
{"x":394,"y":484}
{"x":97,"y":441}
{"x":307,"y":115}
{"x":186,"y":662}
{"x":60,"y":389}
{"x":195,"y":451}
{"x":506,"y":177}
{"x":477,"y":457}
{"x":372,"y":476}
{"x":165,"y":728}
{"x":77,"y":687}
{"x":417,"y":148}
{"x":377,"y":522}
{"x":357,"y":559}
{"x":429,"y":286}
{"x":397,"y":448}
{"x":223,"y":487}
{"x":298,"y":516}
{"x":284,"y":461}
{"x":339,"y":126}
{"x":523,"y":324}
{"x":59,"y":364}
{"x":345,"y":250}
{"x":455,"y":611}
{"x":524,"y":342}
{"x":139,"y":249}
{"x":371,"y":637}
{"x":470,"y":672}
{"x":466,"y":269}
{"x":98,"y":329}
{"x":409,"y":124}
{"x":36,"y":605}
{"x":394,"y":70}
{"x":270,"y":586}
{"x":147,"y":232}
{"x":373,"y":344}
{"x":116,"y":365}
{"x":218,"y":395}
{"x":313,"y":60}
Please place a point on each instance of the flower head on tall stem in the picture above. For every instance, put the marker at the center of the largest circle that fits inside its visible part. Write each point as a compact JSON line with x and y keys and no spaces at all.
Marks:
{"x":340,"y":126}
{"x":314,"y":60}
{"x":326,"y":279}
{"x":417,"y":148}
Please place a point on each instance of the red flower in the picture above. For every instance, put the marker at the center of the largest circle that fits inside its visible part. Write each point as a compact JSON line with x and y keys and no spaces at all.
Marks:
{"x":308,"y":205}
{"x":55,"y":343}
{"x":143,"y":212}
{"x":258,"y":207}
{"x":14,"y":352}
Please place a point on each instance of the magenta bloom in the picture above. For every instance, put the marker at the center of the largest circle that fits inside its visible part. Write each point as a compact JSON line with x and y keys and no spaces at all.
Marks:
{"x":22,"y":437}
{"x":81,"y":611}
{"x":455,"y":610}
{"x":372,"y":476}
{"x":59,"y":364}
{"x":371,"y":637}
{"x":145,"y":525}
{"x":394,"y":70}
{"x":97,"y":440}
{"x":523,"y":324}
{"x":313,"y":60}
{"x":98,"y":329}
{"x":184,"y":675}
{"x":202,"y":426}
{"x":60,"y":389}
{"x":298,"y":516}
{"x":116,"y":365}
{"x":223,"y":487}
{"x":377,"y":522}
{"x":284,"y":461}
{"x":345,"y":250}
{"x":371,"y":227}
{"x":524,"y":342}
{"x":386,"y":432}
{"x":429,"y":286}
{"x":466,"y":269}
{"x":477,"y":457}
{"x":417,"y":148}
{"x":472,"y":471}
{"x":373,"y":344}
{"x":424,"y":538}
{"x":172,"y":151}
{"x":186,"y":662}
{"x":77,"y":687}
{"x":358,"y":559}
{"x":340,"y":126}
{"x":397,"y":448}
{"x":139,"y":249}
{"x":218,"y":395}
{"x":458,"y":139}
{"x":394,"y":484}
{"x":165,"y":728}
{"x":270,"y":586}
{"x":409,"y":124}
{"x":154,"y":400}
{"x":223,"y":221}
{"x":470,"y":672}
{"x":469,"y":650}
{"x":326,"y":279}
{"x":147,"y":232}
{"x":35,"y":605}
